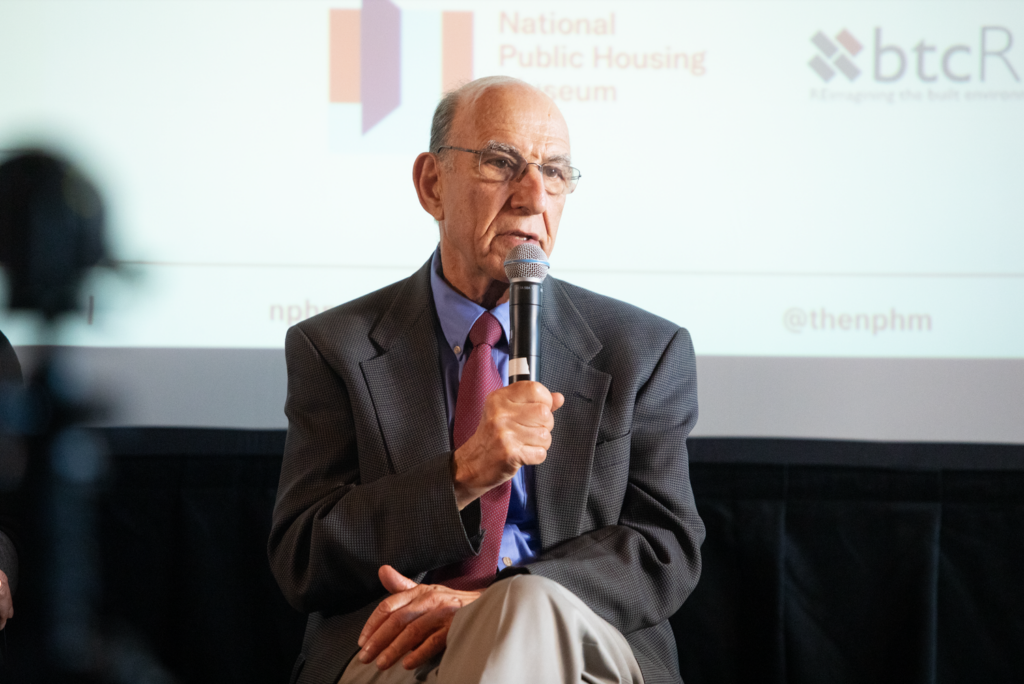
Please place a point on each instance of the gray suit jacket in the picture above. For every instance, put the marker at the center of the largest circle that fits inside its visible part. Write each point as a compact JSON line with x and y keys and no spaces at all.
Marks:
{"x":365,"y":478}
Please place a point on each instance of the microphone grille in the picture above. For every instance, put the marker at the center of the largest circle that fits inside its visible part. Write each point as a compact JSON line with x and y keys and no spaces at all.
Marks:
{"x":526,"y":261}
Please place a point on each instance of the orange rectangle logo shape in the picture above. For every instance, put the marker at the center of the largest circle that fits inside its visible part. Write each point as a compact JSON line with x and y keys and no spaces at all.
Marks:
{"x":344,"y":55}
{"x":456,"y":49}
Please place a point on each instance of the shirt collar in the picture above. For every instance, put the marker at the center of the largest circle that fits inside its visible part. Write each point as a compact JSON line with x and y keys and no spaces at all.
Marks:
{"x":456,"y":313}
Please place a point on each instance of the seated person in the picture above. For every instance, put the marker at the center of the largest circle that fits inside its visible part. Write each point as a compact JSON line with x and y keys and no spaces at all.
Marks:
{"x":441,"y":525}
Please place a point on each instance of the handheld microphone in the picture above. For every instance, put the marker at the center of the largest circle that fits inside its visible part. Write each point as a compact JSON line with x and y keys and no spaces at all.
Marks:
{"x":526,"y":267}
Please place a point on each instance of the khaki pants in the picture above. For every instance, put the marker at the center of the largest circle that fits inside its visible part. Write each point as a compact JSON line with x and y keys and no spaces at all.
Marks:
{"x":523,"y":629}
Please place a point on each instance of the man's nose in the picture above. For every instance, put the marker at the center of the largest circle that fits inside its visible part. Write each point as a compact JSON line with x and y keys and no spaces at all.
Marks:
{"x":529,"y":191}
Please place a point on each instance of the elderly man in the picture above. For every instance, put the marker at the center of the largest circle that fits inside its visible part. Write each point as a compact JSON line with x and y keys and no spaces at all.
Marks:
{"x":441,"y":525}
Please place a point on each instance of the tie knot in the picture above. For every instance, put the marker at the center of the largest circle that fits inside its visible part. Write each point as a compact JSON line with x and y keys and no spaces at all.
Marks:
{"x":486,"y":330}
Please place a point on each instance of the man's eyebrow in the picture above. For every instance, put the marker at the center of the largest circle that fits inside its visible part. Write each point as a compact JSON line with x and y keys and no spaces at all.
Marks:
{"x":512,"y":150}
{"x":495,"y":146}
{"x":559,"y":158}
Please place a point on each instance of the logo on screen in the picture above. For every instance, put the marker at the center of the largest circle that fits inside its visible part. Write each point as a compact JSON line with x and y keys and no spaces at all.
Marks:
{"x":986,"y":56}
{"x":367,"y":65}
{"x":835,"y":55}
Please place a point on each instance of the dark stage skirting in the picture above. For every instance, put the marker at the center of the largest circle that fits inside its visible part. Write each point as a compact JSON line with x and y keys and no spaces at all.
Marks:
{"x":824,"y":561}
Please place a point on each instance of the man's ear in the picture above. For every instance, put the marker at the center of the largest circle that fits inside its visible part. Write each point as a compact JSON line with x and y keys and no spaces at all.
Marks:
{"x":426,"y":176}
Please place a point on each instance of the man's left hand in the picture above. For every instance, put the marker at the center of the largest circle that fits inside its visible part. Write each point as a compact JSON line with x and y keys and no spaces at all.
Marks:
{"x":6,"y":602}
{"x":414,"y":620}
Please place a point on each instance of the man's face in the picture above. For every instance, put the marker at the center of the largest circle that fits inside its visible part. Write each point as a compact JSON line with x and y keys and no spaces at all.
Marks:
{"x":483,"y":220}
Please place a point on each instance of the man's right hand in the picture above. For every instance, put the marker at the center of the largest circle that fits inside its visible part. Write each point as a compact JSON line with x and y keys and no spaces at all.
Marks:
{"x":515,"y":430}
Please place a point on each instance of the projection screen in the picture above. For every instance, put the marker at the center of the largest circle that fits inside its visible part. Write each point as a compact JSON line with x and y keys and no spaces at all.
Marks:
{"x":828,"y":195}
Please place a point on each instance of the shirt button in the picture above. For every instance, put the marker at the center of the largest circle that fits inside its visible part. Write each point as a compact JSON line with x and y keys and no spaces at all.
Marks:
{"x":507,"y":561}
{"x":458,"y":349}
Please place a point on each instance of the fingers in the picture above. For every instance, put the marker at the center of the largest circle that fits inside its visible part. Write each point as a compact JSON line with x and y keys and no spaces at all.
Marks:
{"x":430,"y":647}
{"x":6,"y":607}
{"x":530,"y":456}
{"x":557,"y":399}
{"x":419,"y":627}
{"x":533,"y":414}
{"x":514,"y":430}
{"x":528,"y":391}
{"x":397,"y":585}
{"x":391,"y":636}
{"x":425,"y":636}
{"x":394,"y":581}
{"x":386,"y":608}
{"x":513,"y":411}
{"x":6,"y":603}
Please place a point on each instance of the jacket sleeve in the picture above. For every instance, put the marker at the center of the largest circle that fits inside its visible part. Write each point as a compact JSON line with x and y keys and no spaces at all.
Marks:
{"x":333,"y":528}
{"x":636,"y":573}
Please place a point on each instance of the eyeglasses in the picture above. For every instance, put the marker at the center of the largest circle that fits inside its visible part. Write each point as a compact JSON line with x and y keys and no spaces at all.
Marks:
{"x":502,"y":166}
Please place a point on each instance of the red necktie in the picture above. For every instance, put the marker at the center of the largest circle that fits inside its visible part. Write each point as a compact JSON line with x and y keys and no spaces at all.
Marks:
{"x":479,"y":378}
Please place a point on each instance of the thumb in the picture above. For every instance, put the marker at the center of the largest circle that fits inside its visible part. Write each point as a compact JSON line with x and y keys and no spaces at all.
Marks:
{"x":393,"y":580}
{"x":557,"y":399}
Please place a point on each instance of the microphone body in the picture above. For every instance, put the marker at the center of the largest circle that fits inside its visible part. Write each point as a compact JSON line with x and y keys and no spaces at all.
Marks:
{"x":524,"y":323}
{"x":526,"y":267}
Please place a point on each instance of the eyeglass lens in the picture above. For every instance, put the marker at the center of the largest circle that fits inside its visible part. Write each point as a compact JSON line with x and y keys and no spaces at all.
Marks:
{"x":558,"y":177}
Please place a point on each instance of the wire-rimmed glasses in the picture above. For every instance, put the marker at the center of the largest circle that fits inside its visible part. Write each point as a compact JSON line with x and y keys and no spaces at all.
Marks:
{"x":502,"y":164}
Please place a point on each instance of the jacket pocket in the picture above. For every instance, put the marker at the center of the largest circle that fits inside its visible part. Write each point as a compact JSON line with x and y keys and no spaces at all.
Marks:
{"x":608,"y":478}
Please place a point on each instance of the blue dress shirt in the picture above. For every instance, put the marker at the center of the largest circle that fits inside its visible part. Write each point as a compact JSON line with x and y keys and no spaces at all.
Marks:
{"x":520,"y":541}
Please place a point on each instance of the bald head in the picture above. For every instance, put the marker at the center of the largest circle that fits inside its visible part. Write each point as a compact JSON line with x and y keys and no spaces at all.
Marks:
{"x":509,"y":89}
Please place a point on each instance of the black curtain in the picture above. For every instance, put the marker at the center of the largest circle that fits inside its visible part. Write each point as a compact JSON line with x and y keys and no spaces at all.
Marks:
{"x":824,"y":561}
{"x":842,"y":574}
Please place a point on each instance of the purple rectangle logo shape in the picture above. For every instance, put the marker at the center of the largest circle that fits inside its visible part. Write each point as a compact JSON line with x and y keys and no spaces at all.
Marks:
{"x":824,"y":44}
{"x":380,"y":60}
{"x":822,"y":68}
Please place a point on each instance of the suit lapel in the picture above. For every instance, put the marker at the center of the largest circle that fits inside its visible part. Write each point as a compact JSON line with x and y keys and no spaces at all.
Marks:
{"x":562,"y":482}
{"x":408,"y":395}
{"x":405,"y":380}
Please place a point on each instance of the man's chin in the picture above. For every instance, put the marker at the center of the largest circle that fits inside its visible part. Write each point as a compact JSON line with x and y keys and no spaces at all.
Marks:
{"x":503,"y":244}
{"x":495,"y":270}
{"x":499,"y":277}
{"x":494,"y":266}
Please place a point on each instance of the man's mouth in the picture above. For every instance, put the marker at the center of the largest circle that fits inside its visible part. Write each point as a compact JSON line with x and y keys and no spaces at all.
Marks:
{"x":524,"y":237}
